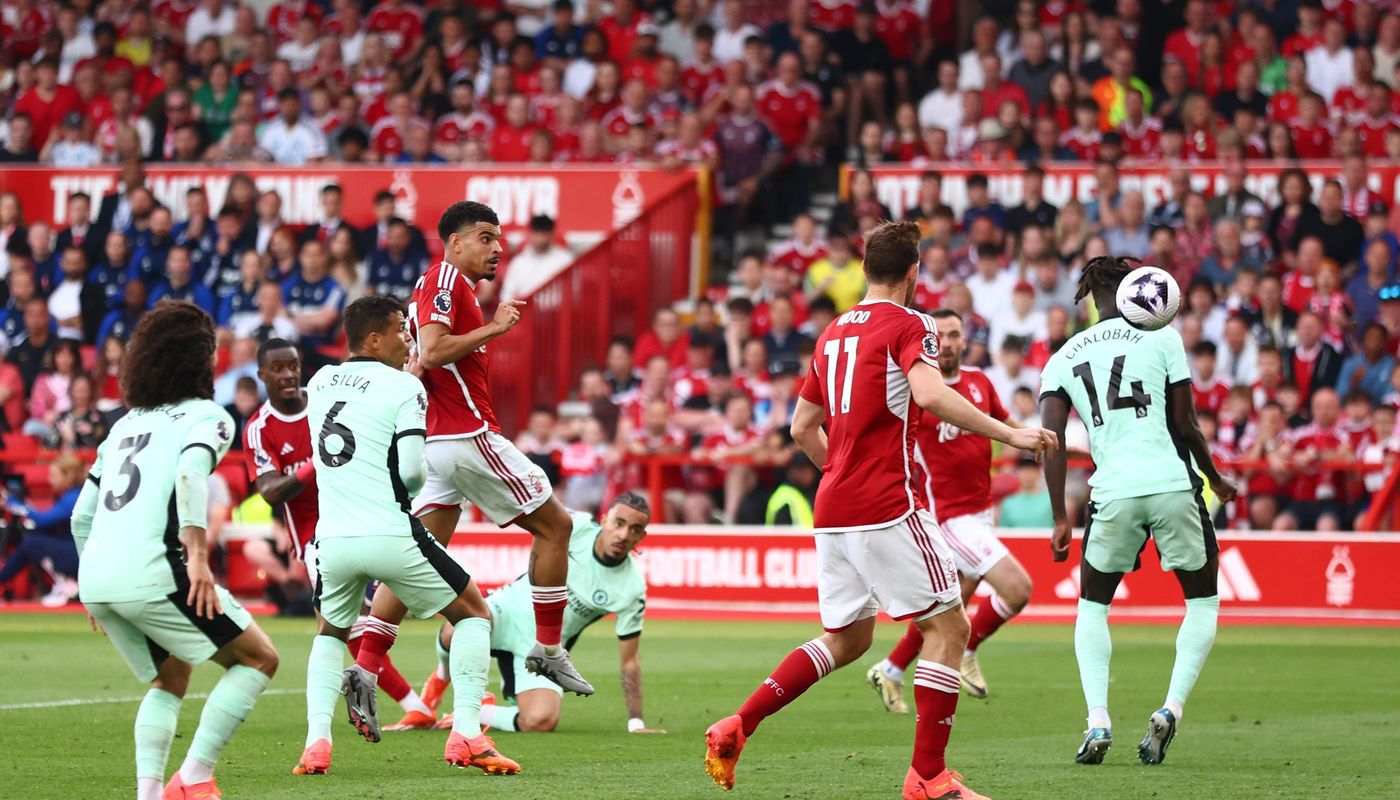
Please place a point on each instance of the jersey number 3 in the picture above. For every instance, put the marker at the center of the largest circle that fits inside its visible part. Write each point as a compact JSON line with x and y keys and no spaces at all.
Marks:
{"x":833,"y":350}
{"x":347,"y":439}
{"x":1138,"y":400}
{"x":114,"y":501}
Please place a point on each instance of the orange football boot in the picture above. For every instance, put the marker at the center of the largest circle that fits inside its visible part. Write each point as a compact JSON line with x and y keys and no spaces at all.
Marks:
{"x":414,"y":721}
{"x":724,"y":741}
{"x":432,"y":691}
{"x":946,"y":785}
{"x":480,"y":753}
{"x":177,"y":789}
{"x":315,"y":759}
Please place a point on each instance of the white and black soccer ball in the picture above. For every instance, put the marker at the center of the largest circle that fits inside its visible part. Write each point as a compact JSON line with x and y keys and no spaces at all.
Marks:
{"x":1148,"y":298}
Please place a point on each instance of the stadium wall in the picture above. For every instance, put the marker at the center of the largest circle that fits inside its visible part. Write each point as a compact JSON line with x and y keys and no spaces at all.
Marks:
{"x":898,"y":186}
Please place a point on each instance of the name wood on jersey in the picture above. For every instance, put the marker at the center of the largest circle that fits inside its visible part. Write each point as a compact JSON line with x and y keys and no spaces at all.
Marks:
{"x":1111,"y":335}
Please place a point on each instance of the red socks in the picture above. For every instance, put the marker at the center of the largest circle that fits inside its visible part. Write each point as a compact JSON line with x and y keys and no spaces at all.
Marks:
{"x":375,"y":642}
{"x":550,"y":602}
{"x":803,"y":667}
{"x":990,"y":616}
{"x":936,"y":698}
{"x":390,"y":679}
{"x":907,"y":648}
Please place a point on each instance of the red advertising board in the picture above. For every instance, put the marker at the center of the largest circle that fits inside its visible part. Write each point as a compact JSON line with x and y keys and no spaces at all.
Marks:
{"x":898,"y":187}
{"x":587,"y":202}
{"x":770,"y":573}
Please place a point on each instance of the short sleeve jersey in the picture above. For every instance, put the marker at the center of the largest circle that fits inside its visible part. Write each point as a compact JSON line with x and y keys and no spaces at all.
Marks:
{"x":1117,"y":378}
{"x":357,"y":412}
{"x":595,"y":591}
{"x":461,"y":397}
{"x":134,"y":551}
{"x":281,"y":444}
{"x":958,"y":464}
{"x":859,"y":375}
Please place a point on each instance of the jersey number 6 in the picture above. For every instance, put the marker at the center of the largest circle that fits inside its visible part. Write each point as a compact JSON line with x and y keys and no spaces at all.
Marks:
{"x":1138,"y":400}
{"x":347,"y":439}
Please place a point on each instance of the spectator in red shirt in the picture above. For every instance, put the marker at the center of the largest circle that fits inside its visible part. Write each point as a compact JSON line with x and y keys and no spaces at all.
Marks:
{"x":620,"y":29}
{"x":47,"y":102}
{"x":1316,"y":504}
{"x":790,"y":106}
{"x":1185,"y":44}
{"x":739,"y":438}
{"x":510,"y":142}
{"x":1308,"y":33}
{"x":996,"y":91}
{"x":665,"y":339}
{"x":1208,"y":389}
{"x":401,"y":25}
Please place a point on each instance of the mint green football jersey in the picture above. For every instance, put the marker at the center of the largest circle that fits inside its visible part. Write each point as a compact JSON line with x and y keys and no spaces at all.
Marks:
{"x":134,"y":552}
{"x":1116,"y":376}
{"x":357,"y":412}
{"x":595,"y":591}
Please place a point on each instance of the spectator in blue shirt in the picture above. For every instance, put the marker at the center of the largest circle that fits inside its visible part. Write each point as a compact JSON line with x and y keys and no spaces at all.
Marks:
{"x":1369,"y":369}
{"x":197,"y":232}
{"x":148,"y":261}
{"x":120,"y":322}
{"x":313,"y":298}
{"x":22,"y":289}
{"x":563,"y":39}
{"x":244,"y":299}
{"x":51,"y":537}
{"x":395,"y":269}
{"x":222,"y":272}
{"x":1377,"y":271}
{"x":110,"y":272}
{"x":180,"y":284}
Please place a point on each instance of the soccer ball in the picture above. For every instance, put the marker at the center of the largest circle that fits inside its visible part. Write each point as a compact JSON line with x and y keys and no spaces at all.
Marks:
{"x":1148,"y":298}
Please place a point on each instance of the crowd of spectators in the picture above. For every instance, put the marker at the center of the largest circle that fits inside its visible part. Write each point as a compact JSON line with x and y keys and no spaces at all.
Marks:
{"x":1289,"y":313}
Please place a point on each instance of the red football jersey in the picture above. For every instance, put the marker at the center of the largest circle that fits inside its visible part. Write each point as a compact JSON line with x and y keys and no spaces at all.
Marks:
{"x":459,"y":397}
{"x":1312,"y":141}
{"x":957,"y":465}
{"x":1211,"y":396}
{"x":282,"y":444}
{"x":832,"y":15}
{"x":401,"y":27}
{"x":859,"y":375}
{"x":789,"y":110}
{"x":1085,"y":146}
{"x":898,"y":27}
{"x":1311,"y":483}
{"x":1283,"y":107}
{"x":282,"y":18}
{"x":697,"y":79}
{"x":1142,"y":141}
{"x":1372,"y":133}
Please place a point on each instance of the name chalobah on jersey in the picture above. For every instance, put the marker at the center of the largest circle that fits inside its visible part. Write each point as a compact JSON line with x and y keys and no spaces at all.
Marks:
{"x":1129,"y":335}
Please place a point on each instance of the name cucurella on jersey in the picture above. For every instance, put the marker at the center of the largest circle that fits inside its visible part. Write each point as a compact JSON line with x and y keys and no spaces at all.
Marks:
{"x":1109,"y":335}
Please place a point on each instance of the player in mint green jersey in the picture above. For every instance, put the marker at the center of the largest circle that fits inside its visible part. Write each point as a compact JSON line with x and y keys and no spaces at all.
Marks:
{"x":366,"y":417}
{"x":1132,"y":388}
{"x":603,"y":579}
{"x":145,"y":497}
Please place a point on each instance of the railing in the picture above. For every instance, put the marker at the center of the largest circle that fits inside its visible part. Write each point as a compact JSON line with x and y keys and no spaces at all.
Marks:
{"x":1384,"y":513}
{"x":610,"y":290}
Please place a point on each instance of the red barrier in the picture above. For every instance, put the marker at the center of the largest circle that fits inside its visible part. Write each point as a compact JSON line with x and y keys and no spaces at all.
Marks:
{"x":770,"y":573}
{"x":898,"y":186}
{"x":586,"y":202}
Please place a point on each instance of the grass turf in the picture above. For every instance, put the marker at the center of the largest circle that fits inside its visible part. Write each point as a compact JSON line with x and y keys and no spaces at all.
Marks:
{"x":1279,"y":712}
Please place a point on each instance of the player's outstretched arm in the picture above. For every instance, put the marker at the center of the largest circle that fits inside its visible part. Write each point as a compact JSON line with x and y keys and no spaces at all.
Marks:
{"x":1054,"y":414}
{"x":936,"y":397}
{"x":631,"y":675}
{"x":277,"y":488}
{"x":1182,"y":412}
{"x":437,"y":347}
{"x":807,"y":430}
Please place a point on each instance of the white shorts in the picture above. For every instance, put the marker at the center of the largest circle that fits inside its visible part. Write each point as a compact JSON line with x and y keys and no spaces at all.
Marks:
{"x":486,"y":470}
{"x":308,"y":557}
{"x":906,"y":569}
{"x":976,"y":548}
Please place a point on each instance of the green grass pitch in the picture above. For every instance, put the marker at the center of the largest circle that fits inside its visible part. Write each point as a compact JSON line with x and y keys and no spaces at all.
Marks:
{"x":1279,"y":712}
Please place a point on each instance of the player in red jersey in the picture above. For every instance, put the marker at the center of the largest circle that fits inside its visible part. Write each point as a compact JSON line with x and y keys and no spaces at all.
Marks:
{"x":964,"y":510}
{"x":467,"y":457}
{"x":283,"y":472}
{"x":877,"y":544}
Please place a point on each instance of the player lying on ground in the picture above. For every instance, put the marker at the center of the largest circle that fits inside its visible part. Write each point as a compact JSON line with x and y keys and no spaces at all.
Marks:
{"x":368,"y":414}
{"x":603,"y":580}
{"x":467,"y":457}
{"x":963,"y":508}
{"x":1143,"y":436}
{"x":283,"y":471}
{"x":145,"y":495}
{"x":877,"y":546}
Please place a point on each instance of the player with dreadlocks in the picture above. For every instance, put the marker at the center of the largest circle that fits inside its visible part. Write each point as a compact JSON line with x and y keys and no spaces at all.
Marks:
{"x":1132,"y":388}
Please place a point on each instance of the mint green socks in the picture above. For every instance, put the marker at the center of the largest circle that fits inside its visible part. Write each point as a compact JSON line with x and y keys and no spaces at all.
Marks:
{"x":323,"y":673}
{"x":155,"y":729}
{"x":1093,"y":648}
{"x":228,"y":706}
{"x":1193,"y":643}
{"x":470,"y":657}
{"x":500,"y":718}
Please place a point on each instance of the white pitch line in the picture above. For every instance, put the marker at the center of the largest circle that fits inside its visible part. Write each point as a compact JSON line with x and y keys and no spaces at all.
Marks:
{"x":133,"y":699}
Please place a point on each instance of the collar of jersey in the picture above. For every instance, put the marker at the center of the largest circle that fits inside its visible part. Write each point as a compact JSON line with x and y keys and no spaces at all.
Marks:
{"x":298,"y":417}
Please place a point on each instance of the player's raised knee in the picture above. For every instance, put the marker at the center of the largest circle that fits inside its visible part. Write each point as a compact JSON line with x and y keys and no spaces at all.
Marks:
{"x":537,"y":721}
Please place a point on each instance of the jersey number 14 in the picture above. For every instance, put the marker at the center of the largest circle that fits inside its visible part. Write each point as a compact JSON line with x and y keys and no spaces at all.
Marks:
{"x":1138,"y":400}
